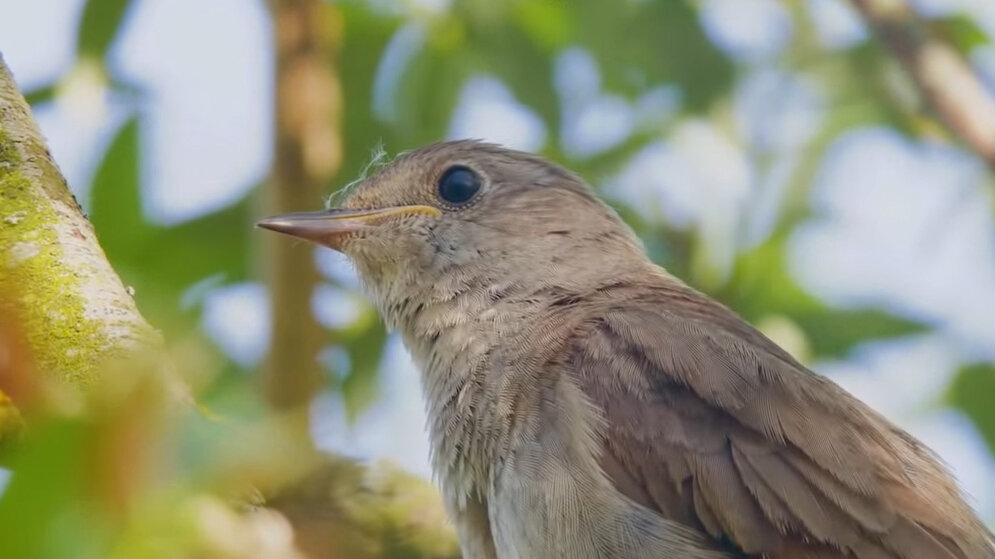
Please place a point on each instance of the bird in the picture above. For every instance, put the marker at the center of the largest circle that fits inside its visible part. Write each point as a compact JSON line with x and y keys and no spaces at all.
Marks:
{"x":582,"y":402}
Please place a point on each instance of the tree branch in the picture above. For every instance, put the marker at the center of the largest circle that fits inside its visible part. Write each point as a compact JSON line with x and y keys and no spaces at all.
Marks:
{"x":75,"y":312}
{"x":944,"y":78}
{"x":308,"y":154}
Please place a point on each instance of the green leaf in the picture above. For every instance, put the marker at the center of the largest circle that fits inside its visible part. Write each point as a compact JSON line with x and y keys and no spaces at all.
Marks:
{"x":99,"y":25}
{"x":43,"y":503}
{"x":761,"y":285}
{"x":971,"y":392}
{"x":41,"y":95}
{"x":160,"y":262}
{"x":429,"y":88}
{"x":365,"y":36}
{"x":865,"y":84}
{"x":548,"y":23}
{"x":115,"y":206}
{"x":365,"y":344}
{"x":525,"y":66}
{"x":961,"y":31}
{"x":834,"y":332}
{"x":644,"y":44}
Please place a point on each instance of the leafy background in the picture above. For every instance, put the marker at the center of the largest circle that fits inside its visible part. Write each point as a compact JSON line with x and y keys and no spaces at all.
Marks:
{"x":770,"y":152}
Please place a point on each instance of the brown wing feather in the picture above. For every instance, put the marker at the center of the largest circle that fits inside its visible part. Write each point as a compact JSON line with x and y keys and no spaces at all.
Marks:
{"x":710,"y":423}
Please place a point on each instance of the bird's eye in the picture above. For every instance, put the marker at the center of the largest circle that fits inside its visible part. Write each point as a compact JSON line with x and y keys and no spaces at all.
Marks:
{"x":458,"y":185}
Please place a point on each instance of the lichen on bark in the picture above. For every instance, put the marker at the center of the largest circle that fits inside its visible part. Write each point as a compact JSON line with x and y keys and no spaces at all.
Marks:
{"x":75,"y":313}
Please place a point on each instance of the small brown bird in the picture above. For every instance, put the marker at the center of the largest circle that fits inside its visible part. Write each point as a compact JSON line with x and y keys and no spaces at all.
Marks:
{"x":583,"y":403}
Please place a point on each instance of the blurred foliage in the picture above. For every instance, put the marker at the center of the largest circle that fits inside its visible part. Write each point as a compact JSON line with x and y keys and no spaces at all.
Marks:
{"x":99,"y":25}
{"x":972,"y":392}
{"x":162,"y":262}
{"x":639,"y":46}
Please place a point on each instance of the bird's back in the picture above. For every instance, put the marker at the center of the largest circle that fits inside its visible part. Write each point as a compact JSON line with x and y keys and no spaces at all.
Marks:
{"x":709,"y":423}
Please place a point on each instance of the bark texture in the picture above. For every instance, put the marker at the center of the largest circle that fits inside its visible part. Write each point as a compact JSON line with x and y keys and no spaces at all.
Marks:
{"x":75,"y":313}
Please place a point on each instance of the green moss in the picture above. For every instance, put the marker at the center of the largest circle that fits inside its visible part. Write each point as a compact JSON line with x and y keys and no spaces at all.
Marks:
{"x":40,"y":287}
{"x":9,"y":157}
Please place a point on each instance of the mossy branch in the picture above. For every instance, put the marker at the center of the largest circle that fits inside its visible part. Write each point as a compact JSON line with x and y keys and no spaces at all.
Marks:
{"x":75,"y":312}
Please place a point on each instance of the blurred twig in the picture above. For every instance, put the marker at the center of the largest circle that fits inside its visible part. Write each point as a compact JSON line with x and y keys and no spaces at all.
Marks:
{"x":943,"y":77}
{"x":308,"y":155}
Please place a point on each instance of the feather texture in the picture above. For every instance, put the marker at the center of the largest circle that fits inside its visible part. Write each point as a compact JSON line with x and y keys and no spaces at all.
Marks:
{"x":711,"y":423}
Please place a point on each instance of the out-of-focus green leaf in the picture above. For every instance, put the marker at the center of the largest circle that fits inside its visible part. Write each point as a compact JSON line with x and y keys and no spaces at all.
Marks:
{"x":834,"y":332}
{"x":365,"y":344}
{"x":41,"y":95}
{"x":366,"y":35}
{"x":643,"y":44}
{"x":41,"y":502}
{"x":961,"y":31}
{"x":99,"y":25}
{"x":115,"y":205}
{"x":761,"y":285}
{"x":865,"y":82}
{"x":972,"y":392}
{"x":160,"y":261}
{"x":504,"y":50}
{"x":548,"y":23}
{"x":429,"y":87}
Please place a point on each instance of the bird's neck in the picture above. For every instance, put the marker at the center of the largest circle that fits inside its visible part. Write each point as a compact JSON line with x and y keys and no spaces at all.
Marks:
{"x":472,"y":336}
{"x":457,"y":333}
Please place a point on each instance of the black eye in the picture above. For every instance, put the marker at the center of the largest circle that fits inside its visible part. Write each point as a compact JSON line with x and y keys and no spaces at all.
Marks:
{"x":458,"y":185}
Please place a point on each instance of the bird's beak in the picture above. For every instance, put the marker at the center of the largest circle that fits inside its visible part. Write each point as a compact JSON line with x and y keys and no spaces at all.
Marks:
{"x":331,"y":227}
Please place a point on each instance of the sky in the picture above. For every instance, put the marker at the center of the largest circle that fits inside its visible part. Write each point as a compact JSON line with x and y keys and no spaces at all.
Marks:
{"x":207,"y":68}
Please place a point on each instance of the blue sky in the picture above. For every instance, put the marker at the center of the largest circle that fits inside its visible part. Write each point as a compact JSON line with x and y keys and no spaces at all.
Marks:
{"x":902,"y":224}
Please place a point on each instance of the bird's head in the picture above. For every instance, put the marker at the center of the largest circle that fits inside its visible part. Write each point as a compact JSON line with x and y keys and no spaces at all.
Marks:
{"x":467,"y":215}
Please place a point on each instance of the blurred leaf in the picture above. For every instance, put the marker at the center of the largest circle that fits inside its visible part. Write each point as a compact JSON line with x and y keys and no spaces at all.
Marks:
{"x":41,"y":95}
{"x":972,"y":392}
{"x":365,"y":344}
{"x":99,"y":25}
{"x":644,"y":44}
{"x":761,"y":285}
{"x":162,"y":261}
{"x":834,"y":332}
{"x":115,"y":202}
{"x":548,"y":23}
{"x":961,"y":31}
{"x":429,"y":87}
{"x":525,"y":65}
{"x":866,"y":84}
{"x":41,"y":503}
{"x":366,"y":35}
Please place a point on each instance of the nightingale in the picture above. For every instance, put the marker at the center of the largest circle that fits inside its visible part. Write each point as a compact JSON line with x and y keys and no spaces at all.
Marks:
{"x":583,"y":403}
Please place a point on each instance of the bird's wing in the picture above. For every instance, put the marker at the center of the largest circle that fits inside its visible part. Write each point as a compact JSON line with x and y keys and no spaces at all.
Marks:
{"x":710,"y":423}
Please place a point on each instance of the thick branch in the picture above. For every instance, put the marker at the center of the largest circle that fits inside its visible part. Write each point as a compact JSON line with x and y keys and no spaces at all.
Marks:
{"x":943,"y":77}
{"x":75,"y":313}
{"x":308,"y":154}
